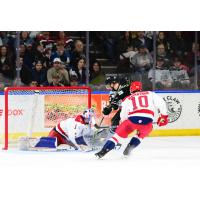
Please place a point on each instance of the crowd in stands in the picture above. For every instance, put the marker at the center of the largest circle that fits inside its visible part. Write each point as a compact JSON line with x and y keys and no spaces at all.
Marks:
{"x":175,"y":58}
{"x":57,"y":59}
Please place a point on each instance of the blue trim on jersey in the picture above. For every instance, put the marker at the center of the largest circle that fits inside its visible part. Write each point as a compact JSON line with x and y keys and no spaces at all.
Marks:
{"x":140,"y":120}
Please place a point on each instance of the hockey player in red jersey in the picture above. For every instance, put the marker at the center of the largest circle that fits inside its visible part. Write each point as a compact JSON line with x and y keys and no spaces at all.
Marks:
{"x":137,"y":115}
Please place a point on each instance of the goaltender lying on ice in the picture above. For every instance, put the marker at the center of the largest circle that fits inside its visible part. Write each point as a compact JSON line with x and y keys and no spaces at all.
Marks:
{"x":78,"y":133}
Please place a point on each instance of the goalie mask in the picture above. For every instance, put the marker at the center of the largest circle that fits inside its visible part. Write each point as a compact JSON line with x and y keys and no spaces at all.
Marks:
{"x":88,"y":116}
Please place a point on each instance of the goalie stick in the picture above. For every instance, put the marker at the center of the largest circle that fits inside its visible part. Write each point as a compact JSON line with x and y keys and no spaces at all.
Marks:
{"x":99,"y":126}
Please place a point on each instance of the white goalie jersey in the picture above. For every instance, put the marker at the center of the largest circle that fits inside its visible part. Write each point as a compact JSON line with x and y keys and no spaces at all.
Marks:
{"x":73,"y":128}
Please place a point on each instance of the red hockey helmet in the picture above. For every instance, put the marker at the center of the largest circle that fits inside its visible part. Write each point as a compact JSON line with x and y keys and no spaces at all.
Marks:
{"x":135,"y":86}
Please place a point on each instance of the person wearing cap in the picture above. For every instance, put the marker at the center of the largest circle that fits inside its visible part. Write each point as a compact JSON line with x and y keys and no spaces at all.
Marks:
{"x":142,"y":60}
{"x":59,"y":71}
{"x":162,"y":77}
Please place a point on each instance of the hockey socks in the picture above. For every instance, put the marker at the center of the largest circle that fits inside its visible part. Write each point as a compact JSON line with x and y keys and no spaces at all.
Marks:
{"x":132,"y":144}
{"x":106,"y":148}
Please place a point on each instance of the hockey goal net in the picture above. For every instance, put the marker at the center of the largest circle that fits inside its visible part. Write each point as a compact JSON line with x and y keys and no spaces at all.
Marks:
{"x":33,"y":111}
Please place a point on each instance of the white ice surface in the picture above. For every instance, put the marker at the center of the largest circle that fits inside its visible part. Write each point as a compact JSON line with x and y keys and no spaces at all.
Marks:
{"x":161,"y":168}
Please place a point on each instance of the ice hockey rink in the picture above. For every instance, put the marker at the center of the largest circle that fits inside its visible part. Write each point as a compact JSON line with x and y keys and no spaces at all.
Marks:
{"x":161,"y":168}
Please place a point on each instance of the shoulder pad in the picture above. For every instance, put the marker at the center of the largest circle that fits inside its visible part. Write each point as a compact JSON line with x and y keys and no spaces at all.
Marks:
{"x":79,"y":118}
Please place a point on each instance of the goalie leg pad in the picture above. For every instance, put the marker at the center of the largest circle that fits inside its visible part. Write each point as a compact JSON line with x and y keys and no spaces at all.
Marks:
{"x":47,"y":142}
{"x":44,"y":143}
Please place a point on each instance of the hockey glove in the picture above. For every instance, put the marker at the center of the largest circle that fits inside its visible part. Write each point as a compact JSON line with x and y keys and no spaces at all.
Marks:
{"x":114,"y":105}
{"x":107,"y":110}
{"x":162,"y":120}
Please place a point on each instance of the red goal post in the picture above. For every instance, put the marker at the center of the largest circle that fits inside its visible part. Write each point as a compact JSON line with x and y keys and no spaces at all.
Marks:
{"x":48,"y":104}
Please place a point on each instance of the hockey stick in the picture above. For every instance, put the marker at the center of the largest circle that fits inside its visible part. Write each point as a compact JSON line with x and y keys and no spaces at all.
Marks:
{"x":99,"y":126}
{"x":101,"y":120}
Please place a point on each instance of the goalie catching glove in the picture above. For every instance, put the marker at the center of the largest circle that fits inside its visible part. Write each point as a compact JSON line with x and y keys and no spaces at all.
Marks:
{"x":162,"y":120}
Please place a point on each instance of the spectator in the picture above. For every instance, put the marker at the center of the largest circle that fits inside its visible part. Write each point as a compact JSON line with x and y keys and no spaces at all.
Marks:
{"x":179,"y":73}
{"x":73,"y":78}
{"x":178,"y":65}
{"x":162,"y":40}
{"x":161,"y":64}
{"x":7,"y":66}
{"x":60,"y":71}
{"x":161,"y":52}
{"x":39,"y":74}
{"x":77,"y":53}
{"x":34,"y":34}
{"x":142,"y":40}
{"x":162,"y":77}
{"x":25,"y":39}
{"x":45,"y":39}
{"x":61,"y":53}
{"x":25,"y":72}
{"x":125,"y":52}
{"x":65,"y":40}
{"x":56,"y":81}
{"x":178,"y":44}
{"x":33,"y":84}
{"x":26,"y":55}
{"x":142,"y":60}
{"x":190,"y":59}
{"x":81,"y":71}
{"x":38,"y":53}
{"x":22,"y":50}
{"x":47,"y":57}
{"x":109,"y":40}
{"x":141,"y":63}
{"x":125,"y":43}
{"x":97,"y":76}
{"x":8,"y":40}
